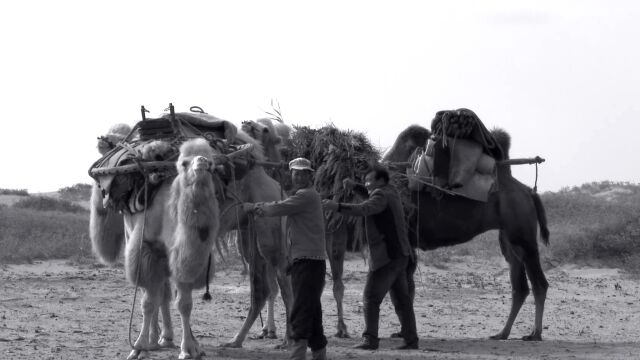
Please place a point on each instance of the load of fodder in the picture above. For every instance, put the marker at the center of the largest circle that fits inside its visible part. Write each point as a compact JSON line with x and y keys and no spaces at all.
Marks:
{"x":44,"y":203}
{"x":335,"y":154}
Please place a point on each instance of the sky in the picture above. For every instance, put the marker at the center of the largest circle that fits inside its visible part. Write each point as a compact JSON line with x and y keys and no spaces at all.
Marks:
{"x":562,"y":77}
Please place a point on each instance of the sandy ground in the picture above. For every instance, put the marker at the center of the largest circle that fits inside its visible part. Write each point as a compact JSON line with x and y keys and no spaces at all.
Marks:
{"x":51,"y":310}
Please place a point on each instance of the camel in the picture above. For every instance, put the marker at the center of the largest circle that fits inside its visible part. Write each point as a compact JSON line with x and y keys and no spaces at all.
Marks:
{"x":441,"y":219}
{"x":262,"y":244}
{"x":171,"y":241}
{"x":272,"y":135}
{"x":256,"y":187}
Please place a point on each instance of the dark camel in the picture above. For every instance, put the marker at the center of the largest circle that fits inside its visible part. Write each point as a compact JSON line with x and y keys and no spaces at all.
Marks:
{"x":515,"y":210}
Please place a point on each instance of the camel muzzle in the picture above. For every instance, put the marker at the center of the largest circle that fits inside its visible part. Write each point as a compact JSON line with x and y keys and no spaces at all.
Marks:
{"x":201,"y":163}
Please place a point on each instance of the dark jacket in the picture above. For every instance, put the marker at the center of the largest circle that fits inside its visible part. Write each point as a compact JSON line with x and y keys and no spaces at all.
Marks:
{"x":385,"y":225}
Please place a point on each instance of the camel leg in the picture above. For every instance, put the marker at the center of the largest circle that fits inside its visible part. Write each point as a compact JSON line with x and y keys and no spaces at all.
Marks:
{"x":336,"y":248}
{"x":284,"y":282}
{"x":519,"y":286}
{"x":260,"y":291}
{"x":166,"y":336}
{"x":154,"y":331}
{"x":150,"y":303}
{"x":269,"y":328}
{"x":189,"y":348}
{"x":539,"y":285}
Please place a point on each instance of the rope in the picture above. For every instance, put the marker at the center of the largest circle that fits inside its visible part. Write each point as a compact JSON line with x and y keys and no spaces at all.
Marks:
{"x":535,"y":186}
{"x":135,"y":293}
{"x":417,"y":230}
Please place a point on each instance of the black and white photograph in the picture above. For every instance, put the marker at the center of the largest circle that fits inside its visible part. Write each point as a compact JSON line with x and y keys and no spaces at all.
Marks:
{"x":283,"y":179}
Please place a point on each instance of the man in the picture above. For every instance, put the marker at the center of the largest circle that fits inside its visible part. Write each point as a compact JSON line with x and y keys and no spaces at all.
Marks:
{"x":389,"y":256}
{"x":305,"y":233}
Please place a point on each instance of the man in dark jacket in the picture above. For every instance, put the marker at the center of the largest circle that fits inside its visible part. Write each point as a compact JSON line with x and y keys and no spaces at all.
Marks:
{"x":389,"y":257}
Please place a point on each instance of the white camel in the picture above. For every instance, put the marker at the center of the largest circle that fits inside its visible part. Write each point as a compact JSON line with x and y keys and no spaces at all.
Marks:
{"x":171,"y":241}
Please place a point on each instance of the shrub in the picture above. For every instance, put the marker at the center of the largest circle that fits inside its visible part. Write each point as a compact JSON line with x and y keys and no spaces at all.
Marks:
{"x":77,"y":192}
{"x":586,"y":228}
{"x":43,"y":203}
{"x":19,"y":192}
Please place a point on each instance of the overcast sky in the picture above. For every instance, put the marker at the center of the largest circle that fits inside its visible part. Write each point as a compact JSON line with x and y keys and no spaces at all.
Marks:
{"x":560,"y":76}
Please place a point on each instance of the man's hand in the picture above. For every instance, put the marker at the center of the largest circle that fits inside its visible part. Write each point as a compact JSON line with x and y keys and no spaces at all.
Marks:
{"x":329,"y":205}
{"x":348,"y":184}
{"x":248,"y":207}
{"x":252,"y":208}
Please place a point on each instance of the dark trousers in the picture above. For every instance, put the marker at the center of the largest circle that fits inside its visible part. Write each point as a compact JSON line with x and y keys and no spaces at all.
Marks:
{"x":389,"y":278}
{"x":411,"y":270}
{"x":307,"y":280}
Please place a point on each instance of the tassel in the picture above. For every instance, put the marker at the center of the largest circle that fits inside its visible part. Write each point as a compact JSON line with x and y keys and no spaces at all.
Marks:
{"x":207,"y":294}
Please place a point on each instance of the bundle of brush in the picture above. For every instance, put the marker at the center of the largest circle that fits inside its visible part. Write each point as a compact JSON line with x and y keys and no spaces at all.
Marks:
{"x":465,"y":124}
{"x":454,"y":123}
{"x":336,"y":155}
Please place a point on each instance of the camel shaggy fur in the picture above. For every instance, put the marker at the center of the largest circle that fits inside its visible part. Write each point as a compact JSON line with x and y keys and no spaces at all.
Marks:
{"x":170,"y":242}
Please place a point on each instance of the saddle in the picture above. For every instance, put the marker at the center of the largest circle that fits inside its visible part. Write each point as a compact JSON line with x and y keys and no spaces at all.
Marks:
{"x":130,"y":174}
{"x":460,"y":158}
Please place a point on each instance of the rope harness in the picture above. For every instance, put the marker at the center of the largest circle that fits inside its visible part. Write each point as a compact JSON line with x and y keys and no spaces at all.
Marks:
{"x":135,"y":293}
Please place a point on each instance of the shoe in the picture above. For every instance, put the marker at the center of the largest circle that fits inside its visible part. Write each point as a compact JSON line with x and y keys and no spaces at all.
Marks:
{"x":411,"y":346}
{"x":396,"y":335}
{"x":298,"y":350}
{"x":320,"y":354}
{"x":367,"y":344}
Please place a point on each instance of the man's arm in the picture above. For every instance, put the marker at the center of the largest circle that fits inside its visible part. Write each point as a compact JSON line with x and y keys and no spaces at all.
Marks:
{"x":358,"y":189}
{"x":376,"y":203}
{"x":291,"y":205}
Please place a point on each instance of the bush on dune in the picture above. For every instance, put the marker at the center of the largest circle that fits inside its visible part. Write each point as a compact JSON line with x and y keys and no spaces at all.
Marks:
{"x":19,"y":192}
{"x":77,"y":192}
{"x":590,"y":228}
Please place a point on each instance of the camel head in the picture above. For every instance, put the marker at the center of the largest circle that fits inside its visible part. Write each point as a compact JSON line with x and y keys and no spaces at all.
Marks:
{"x":196,"y":161}
{"x":406,"y":142}
{"x":115,"y":134}
{"x":193,"y":199}
{"x":265,"y":132}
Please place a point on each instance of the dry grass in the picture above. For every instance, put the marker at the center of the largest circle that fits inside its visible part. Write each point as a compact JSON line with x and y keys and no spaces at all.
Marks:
{"x":586,"y":228}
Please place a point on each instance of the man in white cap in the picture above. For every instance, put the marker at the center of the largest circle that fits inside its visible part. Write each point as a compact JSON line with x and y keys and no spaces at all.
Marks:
{"x":305,"y":234}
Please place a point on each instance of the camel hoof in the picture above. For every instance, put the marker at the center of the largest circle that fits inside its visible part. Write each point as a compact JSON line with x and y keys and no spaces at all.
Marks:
{"x":231,"y":345}
{"x":187,"y":355}
{"x":499,"y":336}
{"x":284,"y":345}
{"x":342,"y":332}
{"x":265,"y":334}
{"x":166,"y":343}
{"x":532,"y":337}
{"x":136,"y":354}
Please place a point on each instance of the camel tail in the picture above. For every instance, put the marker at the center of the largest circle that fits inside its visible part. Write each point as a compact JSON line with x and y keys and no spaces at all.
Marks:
{"x":106,"y":229}
{"x":542,"y":218}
